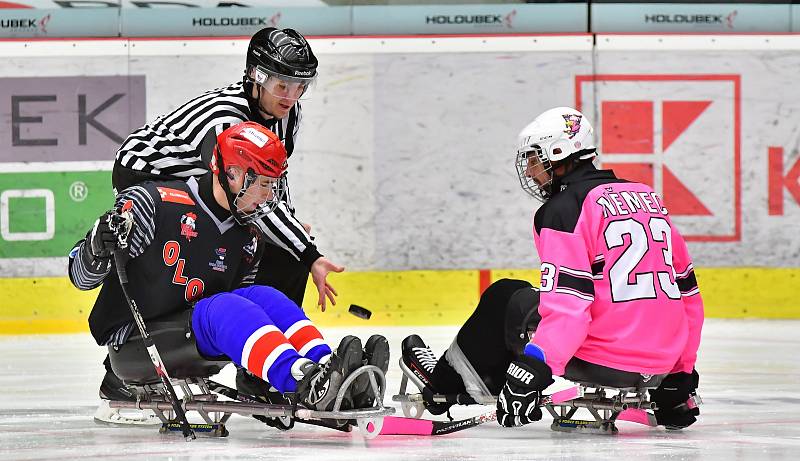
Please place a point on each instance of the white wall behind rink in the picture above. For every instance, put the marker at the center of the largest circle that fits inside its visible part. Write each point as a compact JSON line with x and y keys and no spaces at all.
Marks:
{"x":406,"y":157}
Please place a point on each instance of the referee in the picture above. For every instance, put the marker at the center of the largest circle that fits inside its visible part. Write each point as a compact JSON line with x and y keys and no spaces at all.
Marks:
{"x":280,"y":69}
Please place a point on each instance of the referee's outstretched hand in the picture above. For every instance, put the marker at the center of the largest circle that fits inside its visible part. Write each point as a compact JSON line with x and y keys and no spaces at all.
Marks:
{"x":319,"y":274}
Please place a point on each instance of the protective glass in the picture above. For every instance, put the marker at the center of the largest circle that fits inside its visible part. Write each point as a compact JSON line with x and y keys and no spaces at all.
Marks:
{"x":281,"y":86}
{"x":258,"y":197}
{"x":535,"y":173}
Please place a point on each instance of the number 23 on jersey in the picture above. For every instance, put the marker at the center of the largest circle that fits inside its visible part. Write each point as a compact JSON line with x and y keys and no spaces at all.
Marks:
{"x":644,"y":266}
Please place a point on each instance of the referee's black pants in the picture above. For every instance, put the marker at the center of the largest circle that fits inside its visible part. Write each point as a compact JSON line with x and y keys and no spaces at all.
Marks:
{"x":280,"y":270}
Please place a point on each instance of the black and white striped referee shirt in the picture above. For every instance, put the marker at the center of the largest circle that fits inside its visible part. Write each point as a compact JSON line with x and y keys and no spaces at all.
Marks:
{"x":170,"y":147}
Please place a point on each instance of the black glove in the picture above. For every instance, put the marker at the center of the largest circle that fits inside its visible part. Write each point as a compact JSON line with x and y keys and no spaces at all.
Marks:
{"x":102,"y":239}
{"x":518,"y":403}
{"x":101,"y":242}
{"x":671,"y":397}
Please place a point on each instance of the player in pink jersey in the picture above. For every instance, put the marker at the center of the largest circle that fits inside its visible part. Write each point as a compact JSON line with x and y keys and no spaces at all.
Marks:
{"x":618,"y":301}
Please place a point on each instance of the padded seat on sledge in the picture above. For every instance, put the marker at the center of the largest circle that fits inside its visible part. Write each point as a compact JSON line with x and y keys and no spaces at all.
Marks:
{"x":176,"y":345}
{"x":592,"y":375}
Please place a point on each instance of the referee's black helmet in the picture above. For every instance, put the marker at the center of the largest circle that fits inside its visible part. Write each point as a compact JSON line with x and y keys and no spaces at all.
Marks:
{"x":282,"y":52}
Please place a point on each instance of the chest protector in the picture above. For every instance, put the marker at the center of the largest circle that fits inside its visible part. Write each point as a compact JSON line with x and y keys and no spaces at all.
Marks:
{"x":192,"y":256}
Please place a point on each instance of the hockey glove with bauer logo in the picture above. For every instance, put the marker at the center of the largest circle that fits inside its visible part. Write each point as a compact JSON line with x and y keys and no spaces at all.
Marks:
{"x":526,"y":378}
{"x":672,"y":397}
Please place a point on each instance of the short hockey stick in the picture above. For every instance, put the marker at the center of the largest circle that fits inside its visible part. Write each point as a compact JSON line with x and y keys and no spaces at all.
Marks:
{"x":397,"y":425}
{"x":120,"y":260}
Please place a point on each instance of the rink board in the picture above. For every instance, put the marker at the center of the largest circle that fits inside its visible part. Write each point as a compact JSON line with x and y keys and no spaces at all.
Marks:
{"x":440,"y":193}
{"x":52,"y":305}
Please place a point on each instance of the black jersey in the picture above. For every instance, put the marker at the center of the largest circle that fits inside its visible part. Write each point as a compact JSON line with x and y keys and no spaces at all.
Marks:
{"x":180,"y":252}
{"x":170,"y":147}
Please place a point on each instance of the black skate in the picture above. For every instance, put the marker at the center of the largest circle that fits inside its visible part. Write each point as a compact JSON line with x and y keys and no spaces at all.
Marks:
{"x":319,"y":387}
{"x":248,"y":383}
{"x":418,"y":362}
{"x":112,"y":388}
{"x":376,"y":353}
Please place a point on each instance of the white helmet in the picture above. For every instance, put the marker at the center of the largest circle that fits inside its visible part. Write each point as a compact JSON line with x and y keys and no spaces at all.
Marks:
{"x":553,"y":136}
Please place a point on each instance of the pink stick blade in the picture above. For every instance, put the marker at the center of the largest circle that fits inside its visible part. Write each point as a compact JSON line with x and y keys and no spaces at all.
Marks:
{"x":638,"y":416}
{"x":397,"y":425}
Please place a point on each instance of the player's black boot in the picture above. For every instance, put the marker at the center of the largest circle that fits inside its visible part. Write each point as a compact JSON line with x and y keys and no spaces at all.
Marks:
{"x":248,"y":383}
{"x":112,"y":388}
{"x":418,"y":363}
{"x":320,"y":383}
{"x":376,"y":352}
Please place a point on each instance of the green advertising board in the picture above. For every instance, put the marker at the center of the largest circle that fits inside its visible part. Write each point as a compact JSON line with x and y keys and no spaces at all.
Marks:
{"x":44,"y":214}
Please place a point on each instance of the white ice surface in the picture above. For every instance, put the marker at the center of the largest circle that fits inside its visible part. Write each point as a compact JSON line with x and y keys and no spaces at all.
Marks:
{"x":750,"y":372}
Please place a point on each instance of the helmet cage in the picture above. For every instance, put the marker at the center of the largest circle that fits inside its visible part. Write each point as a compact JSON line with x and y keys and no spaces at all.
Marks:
{"x":542,"y":189}
{"x":278,"y":189}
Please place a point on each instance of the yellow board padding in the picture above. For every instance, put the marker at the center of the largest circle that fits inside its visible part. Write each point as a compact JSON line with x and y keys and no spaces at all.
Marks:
{"x":747,"y":292}
{"x":43,"y":305}
{"x":53,"y":305}
{"x":398,"y":298}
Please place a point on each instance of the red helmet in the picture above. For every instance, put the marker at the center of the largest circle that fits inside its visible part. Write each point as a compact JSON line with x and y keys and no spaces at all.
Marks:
{"x":257,"y":152}
{"x":249,"y":145}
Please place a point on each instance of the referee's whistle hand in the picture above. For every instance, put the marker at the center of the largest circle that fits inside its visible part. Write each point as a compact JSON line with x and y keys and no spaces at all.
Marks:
{"x":319,"y":274}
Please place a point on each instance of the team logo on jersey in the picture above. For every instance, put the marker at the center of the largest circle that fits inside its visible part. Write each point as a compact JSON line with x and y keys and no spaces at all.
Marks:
{"x":188,"y":221}
{"x":573,"y":122}
{"x":250,"y":248}
{"x":219,"y":263}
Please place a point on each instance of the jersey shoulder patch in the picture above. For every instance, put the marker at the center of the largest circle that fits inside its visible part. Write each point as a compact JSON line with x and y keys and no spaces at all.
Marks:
{"x":174,"y":196}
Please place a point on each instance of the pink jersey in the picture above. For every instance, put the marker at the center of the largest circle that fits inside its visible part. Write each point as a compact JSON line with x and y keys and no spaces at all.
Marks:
{"x":617,"y":285}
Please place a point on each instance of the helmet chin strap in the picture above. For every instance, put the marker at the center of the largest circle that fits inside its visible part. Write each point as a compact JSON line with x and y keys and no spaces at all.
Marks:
{"x":223,"y":176}
{"x":568,"y":165}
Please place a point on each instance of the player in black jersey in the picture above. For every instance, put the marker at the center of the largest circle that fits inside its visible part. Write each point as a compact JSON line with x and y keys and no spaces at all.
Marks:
{"x":280,"y":70}
{"x":194,"y":251}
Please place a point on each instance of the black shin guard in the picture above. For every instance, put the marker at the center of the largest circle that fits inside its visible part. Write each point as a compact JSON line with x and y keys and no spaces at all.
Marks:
{"x":483,"y":339}
{"x":446,"y":379}
{"x":522,"y":318}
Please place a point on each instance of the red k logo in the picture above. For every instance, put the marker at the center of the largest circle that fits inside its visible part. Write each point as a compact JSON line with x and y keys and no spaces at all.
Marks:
{"x":679,"y":134}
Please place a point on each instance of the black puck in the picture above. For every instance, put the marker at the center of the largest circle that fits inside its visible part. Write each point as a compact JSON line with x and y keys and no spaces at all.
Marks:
{"x":360,"y":312}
